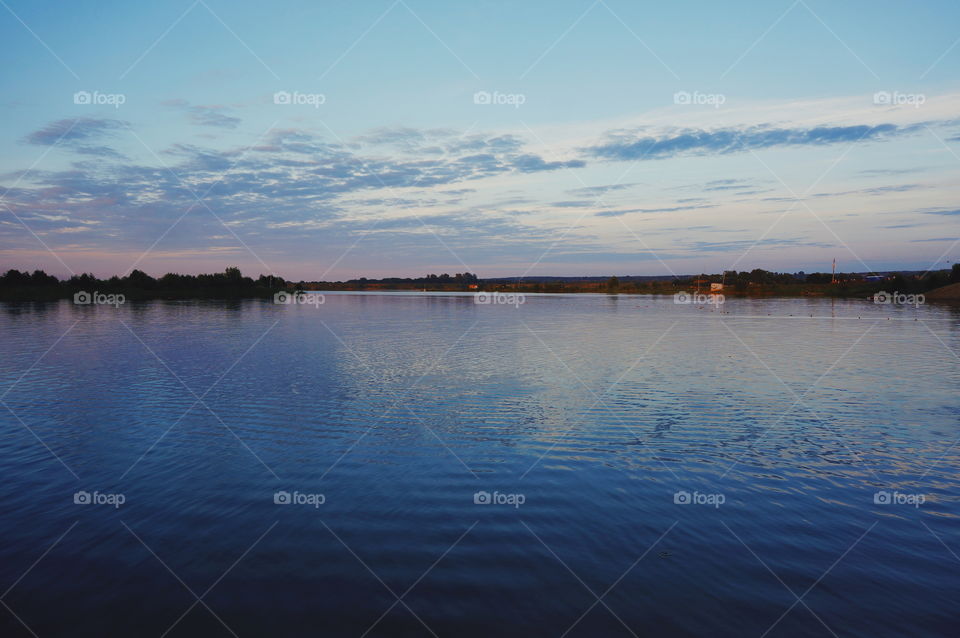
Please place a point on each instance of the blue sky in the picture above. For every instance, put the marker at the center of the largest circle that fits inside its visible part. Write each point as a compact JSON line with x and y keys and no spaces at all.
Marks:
{"x":341,"y":139}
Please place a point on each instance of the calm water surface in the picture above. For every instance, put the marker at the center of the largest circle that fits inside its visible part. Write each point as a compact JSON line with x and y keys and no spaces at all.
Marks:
{"x":778,"y":425}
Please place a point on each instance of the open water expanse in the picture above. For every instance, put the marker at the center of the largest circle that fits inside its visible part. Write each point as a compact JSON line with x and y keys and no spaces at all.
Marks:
{"x":420,"y":464}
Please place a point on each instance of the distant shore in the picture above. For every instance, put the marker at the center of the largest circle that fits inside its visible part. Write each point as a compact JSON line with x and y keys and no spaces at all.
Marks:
{"x":866,"y":293}
{"x":942,"y":285}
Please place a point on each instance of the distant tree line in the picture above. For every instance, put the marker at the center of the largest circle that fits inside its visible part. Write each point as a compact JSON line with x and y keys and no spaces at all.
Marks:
{"x":457,"y":282}
{"x":894,"y":281}
{"x":38,"y":285}
{"x":138,"y":284}
{"x":757,"y":282}
{"x":742,"y":281}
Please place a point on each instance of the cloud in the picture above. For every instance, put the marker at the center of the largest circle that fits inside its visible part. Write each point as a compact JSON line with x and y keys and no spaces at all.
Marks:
{"x":497,"y":143}
{"x":753,"y":192}
{"x":534,"y":164}
{"x":301,"y":193}
{"x":883,"y":172}
{"x":405,"y":138}
{"x":631,"y":145}
{"x":514,"y":201}
{"x":100,"y":151}
{"x":875,"y":190}
{"x":666,"y":209}
{"x":462,"y":158}
{"x":77,"y":134}
{"x":573,"y":204}
{"x":746,"y":244}
{"x":726,"y":184}
{"x":293,"y":180}
{"x":72,"y":132}
{"x":605,"y":256}
{"x":206,"y":115}
{"x":591,"y":191}
{"x":213,"y":116}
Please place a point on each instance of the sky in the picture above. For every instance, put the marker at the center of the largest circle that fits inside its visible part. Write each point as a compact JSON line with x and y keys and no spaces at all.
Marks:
{"x":334,"y":140}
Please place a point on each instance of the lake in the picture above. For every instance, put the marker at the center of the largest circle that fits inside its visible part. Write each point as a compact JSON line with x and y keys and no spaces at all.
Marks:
{"x":421,"y":464}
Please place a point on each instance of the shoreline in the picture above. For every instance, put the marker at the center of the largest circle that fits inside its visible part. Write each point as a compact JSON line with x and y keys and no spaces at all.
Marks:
{"x":934,"y":295}
{"x":231,"y":284}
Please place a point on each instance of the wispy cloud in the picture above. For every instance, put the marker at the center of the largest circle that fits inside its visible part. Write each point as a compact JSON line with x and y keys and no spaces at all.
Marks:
{"x":206,"y":115}
{"x":596,"y":191}
{"x":665,"y":209}
{"x":79,"y":135}
{"x":294,"y":179}
{"x":741,"y":245}
{"x":726,"y":184}
{"x":627,"y":145}
{"x":580,"y":203}
{"x":74,"y":131}
{"x":875,"y":190}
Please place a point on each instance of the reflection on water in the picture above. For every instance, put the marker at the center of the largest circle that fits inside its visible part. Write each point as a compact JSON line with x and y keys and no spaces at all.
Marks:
{"x":301,"y":467}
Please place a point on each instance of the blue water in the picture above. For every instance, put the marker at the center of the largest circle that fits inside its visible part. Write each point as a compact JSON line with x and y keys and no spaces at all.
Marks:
{"x":584,"y":416}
